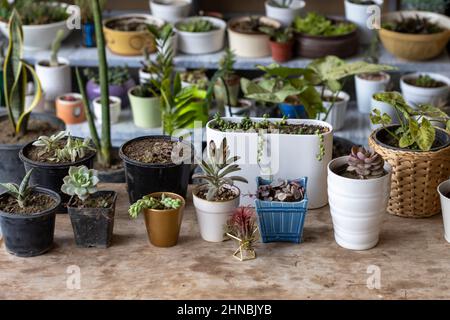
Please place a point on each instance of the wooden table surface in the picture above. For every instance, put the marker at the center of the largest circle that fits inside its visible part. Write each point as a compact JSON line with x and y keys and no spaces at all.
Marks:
{"x":411,"y":261}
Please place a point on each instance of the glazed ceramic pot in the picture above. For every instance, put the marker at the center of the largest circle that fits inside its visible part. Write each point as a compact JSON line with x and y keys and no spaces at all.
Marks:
{"x":115,"y":107}
{"x":70,"y":108}
{"x":146,"y":110}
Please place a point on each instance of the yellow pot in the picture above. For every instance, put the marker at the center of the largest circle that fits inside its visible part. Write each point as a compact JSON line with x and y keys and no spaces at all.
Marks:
{"x":415,"y":46}
{"x":130,"y":43}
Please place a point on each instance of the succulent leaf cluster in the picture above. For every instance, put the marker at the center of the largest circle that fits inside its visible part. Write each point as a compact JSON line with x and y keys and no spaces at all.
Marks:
{"x":366,"y":164}
{"x":48,"y":144}
{"x":20,"y":192}
{"x":281,"y":190}
{"x":197,"y":25}
{"x":147,"y":202}
{"x":81,"y":182}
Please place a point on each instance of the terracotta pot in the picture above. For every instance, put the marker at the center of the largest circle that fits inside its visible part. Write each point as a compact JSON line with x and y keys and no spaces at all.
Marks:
{"x":71,"y":112}
{"x":163,"y":226}
{"x":281,"y":52}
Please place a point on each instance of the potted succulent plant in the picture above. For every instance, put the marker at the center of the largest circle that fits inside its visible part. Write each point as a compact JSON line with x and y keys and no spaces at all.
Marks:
{"x":318,"y":36}
{"x":128,"y":34}
{"x":359,"y":12}
{"x":414,"y":35}
{"x":284,"y":11}
{"x":281,"y":207}
{"x":226,"y":88}
{"x":216,"y":198}
{"x":91,"y":211}
{"x":51,"y":157}
{"x":242,"y":227}
{"x":163,"y":213}
{"x":358,"y":192}
{"x":366,"y":85}
{"x":146,"y":106}
{"x":425,"y":88}
{"x":87,"y":21}
{"x":444,"y":194}
{"x":70,"y":108}
{"x":27,"y":218}
{"x":170,"y":10}
{"x":200,"y":35}
{"x":416,"y":150}
{"x":245,"y":37}
{"x":55,"y":74}
{"x":196,"y":78}
{"x":281,"y":43}
{"x":41,"y":21}
{"x":115,"y":106}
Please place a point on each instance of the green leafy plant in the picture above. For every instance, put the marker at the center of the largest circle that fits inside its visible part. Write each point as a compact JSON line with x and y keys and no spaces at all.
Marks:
{"x":438,"y":6}
{"x":280,"y":35}
{"x":86,"y":12}
{"x":81,"y":182}
{"x":227,"y":62}
{"x":49,"y":144}
{"x":33,"y":12}
{"x":147,"y":202}
{"x":415,"y":131}
{"x":315,"y":24}
{"x":413,"y":25}
{"x":365,"y":164}
{"x":56,"y":45}
{"x":217,"y":169}
{"x":197,"y":25}
{"x":20,"y":193}
{"x":116,"y":75}
{"x":425,"y":81}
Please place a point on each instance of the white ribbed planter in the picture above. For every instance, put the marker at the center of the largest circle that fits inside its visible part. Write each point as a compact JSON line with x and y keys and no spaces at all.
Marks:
{"x":365,"y":89}
{"x":357,"y":207}
{"x":114,"y":109}
{"x":284,"y":15}
{"x":55,"y":81}
{"x":336,"y":117}
{"x":444,"y":190}
{"x":417,"y":95}
{"x":212,"y":217}
{"x":170,"y":10}
{"x":359,"y":14}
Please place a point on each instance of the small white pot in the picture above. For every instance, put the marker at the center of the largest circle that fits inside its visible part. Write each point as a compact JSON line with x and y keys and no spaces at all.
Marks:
{"x":359,"y":14}
{"x":238,"y":111}
{"x":417,"y":95}
{"x":285,"y":15}
{"x":212,"y":217}
{"x":202,"y":42}
{"x":145,"y":77}
{"x":55,"y":81}
{"x":365,"y":89}
{"x":384,"y":108}
{"x":114,"y":109}
{"x":357,"y":207}
{"x":336,"y":117}
{"x":170,"y":10}
{"x":444,"y":191}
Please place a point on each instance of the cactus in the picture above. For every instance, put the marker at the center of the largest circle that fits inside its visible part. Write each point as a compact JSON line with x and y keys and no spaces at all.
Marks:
{"x":56,"y":45}
{"x":366,"y":164}
{"x":81,"y":182}
{"x":20,"y":193}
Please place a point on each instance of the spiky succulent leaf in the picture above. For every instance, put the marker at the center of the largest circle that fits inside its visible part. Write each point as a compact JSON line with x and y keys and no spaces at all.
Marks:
{"x":81,"y":182}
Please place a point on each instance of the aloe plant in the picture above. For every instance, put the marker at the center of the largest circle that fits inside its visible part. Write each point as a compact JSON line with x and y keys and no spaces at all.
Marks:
{"x":56,"y":45}
{"x":15,"y":78}
{"x":20,"y":192}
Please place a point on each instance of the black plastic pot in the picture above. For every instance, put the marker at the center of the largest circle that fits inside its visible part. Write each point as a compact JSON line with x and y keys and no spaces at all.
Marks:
{"x":51,"y":175}
{"x":29,"y":235}
{"x":113,"y":176}
{"x":93,"y":227}
{"x":145,"y":178}
{"x":11,"y":167}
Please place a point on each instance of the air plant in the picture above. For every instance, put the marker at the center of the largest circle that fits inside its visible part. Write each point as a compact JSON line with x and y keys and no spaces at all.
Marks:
{"x":242,"y":227}
{"x":365,"y":164}
{"x":281,"y":190}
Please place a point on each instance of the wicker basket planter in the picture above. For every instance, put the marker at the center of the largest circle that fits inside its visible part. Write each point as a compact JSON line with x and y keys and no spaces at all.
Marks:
{"x":281,"y":221}
{"x":415,"y":174}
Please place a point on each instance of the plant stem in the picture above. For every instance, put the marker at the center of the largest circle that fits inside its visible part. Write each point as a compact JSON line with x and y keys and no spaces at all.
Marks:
{"x":227,"y":95}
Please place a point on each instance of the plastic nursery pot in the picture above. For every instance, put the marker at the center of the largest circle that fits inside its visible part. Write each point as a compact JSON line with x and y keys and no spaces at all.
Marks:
{"x":30,"y":235}
{"x":281,"y":52}
{"x":146,"y":110}
{"x":145,"y":178}
{"x":121,"y":91}
{"x":444,"y":194}
{"x":357,"y":206}
{"x":93,"y":227}
{"x":293,"y":111}
{"x":70,"y":108}
{"x":115,"y":106}
{"x":88,"y":33}
{"x":51,"y":175}
{"x":163,"y":226}
{"x":212,"y":216}
{"x":11,"y":167}
{"x":281,"y":221}
{"x":112,"y":175}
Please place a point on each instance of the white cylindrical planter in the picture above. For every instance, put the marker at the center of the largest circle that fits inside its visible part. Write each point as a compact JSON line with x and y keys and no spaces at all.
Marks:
{"x":170,"y":10}
{"x":416,"y":95}
{"x":336,"y":117}
{"x":366,"y":88}
{"x":212,"y":217}
{"x":285,"y":15}
{"x":357,"y":206}
{"x":384,"y":108}
{"x":114,"y":109}
{"x":238,"y":111}
{"x":359,"y":14}
{"x":55,"y":81}
{"x":444,"y":193}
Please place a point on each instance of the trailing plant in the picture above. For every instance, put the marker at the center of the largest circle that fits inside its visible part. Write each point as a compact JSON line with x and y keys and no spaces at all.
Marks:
{"x":280,"y":35}
{"x":365,"y":164}
{"x":281,"y":190}
{"x":20,"y":192}
{"x":56,"y":45}
{"x":217,"y":170}
{"x":197,"y":25}
{"x":86,"y":12}
{"x":147,"y":202}
{"x":15,"y":78}
{"x":81,"y":182}
{"x":116,"y":75}
{"x":415,"y":131}
{"x":281,"y":3}
{"x":33,"y":12}
{"x":413,"y":25}
{"x":315,"y":24}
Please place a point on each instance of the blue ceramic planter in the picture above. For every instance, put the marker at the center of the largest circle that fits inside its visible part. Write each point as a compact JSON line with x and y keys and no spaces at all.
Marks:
{"x":281,"y":221}
{"x":293,"y":111}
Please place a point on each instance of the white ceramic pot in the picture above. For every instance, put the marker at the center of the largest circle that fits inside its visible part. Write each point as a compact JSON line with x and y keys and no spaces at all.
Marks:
{"x":336,"y":117}
{"x":55,"y":81}
{"x":39,"y":37}
{"x":114,"y":109}
{"x":202,"y":42}
{"x":145,"y":77}
{"x":250,"y":45}
{"x":365,"y":89}
{"x":384,"y":108}
{"x":359,"y":14}
{"x":444,"y":192}
{"x":357,"y":207}
{"x":170,"y":10}
{"x":285,"y":15}
{"x":213,"y":216}
{"x":417,"y":95}
{"x":289,"y":156}
{"x":244,"y":108}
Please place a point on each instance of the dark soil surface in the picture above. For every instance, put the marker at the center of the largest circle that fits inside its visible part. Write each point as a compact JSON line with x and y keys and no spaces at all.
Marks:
{"x":372,"y":76}
{"x":224,"y":194}
{"x":331,"y":99}
{"x":36,"y":128}
{"x":37,"y":203}
{"x":342,"y":171}
{"x":156,"y":151}
{"x":125,"y":24}
{"x":96,"y":200}
{"x":35,"y":153}
{"x":46,"y":63}
{"x":434,"y":84}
